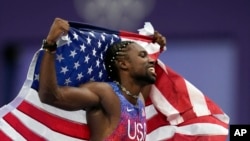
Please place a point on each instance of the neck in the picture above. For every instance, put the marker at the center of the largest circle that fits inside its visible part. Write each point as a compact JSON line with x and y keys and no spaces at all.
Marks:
{"x":127,"y":92}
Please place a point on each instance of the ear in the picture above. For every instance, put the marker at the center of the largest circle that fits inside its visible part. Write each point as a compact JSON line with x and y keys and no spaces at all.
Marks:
{"x":122,"y":64}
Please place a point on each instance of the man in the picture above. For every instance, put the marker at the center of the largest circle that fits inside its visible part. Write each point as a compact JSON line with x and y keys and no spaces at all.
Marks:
{"x":114,"y":110}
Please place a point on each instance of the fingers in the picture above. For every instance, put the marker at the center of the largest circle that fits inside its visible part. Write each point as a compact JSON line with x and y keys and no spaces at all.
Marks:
{"x":62,"y":24}
{"x":160,"y":39}
{"x":58,"y":28}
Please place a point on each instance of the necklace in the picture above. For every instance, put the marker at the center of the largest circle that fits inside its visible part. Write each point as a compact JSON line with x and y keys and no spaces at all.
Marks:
{"x":126,"y":91}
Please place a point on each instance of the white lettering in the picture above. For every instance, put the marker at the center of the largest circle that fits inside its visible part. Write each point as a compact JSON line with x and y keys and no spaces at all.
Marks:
{"x":240,"y":132}
{"x":129,"y":130}
{"x":136,"y":131}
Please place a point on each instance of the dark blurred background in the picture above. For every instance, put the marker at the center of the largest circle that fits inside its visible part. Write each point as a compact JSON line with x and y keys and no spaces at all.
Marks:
{"x":208,"y":40}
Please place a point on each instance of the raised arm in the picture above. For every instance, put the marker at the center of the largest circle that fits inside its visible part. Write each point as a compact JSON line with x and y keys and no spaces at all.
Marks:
{"x":68,"y":98}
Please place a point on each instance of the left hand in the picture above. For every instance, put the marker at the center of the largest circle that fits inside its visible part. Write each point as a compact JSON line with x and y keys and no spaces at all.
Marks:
{"x":160,"y":39}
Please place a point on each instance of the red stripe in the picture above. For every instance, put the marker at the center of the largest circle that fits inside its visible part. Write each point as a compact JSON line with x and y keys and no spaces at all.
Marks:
{"x":173,"y":88}
{"x":213,"y":107}
{"x":21,"y":128}
{"x":58,"y":124}
{"x":4,"y":137}
{"x":158,"y":121}
{"x":134,"y":36}
{"x":155,"y":122}
{"x":154,"y":55}
{"x":205,"y":119}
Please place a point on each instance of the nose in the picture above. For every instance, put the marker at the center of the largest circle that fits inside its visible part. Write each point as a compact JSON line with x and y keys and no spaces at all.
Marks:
{"x":152,"y":60}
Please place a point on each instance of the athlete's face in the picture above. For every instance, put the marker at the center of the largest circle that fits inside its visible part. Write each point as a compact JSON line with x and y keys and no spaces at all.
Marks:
{"x":141,"y":66}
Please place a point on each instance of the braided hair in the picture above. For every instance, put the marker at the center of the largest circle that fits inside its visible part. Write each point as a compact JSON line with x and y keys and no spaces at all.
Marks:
{"x":114,"y":52}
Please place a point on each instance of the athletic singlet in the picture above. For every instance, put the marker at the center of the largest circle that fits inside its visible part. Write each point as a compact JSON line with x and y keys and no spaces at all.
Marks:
{"x":132,"y":124}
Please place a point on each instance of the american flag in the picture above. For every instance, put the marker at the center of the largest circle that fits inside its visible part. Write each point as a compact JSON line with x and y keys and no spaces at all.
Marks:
{"x":175,"y":111}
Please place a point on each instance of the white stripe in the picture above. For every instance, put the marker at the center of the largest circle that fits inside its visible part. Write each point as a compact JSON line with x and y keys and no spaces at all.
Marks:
{"x":151,"y":48}
{"x":203,"y":129}
{"x":150,"y":111}
{"x":23,"y":91}
{"x":41,"y":129}
{"x":222,"y":117}
{"x":11,"y":132}
{"x":197,"y":129}
{"x":162,"y":65}
{"x":77,"y":116}
{"x":165,"y":107}
{"x":197,"y":100}
{"x":32,"y":66}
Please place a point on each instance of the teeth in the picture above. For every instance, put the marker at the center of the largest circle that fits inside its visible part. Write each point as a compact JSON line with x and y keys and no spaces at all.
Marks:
{"x":151,"y":69}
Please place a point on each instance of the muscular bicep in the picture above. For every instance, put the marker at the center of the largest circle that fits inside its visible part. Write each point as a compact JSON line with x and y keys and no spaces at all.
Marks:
{"x":75,"y":98}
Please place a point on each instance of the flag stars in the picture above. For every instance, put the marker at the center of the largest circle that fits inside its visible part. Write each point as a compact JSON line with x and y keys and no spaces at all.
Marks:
{"x":64,"y":70}
{"x":67,"y":39}
{"x":59,"y":57}
{"x":67,"y":81}
{"x":92,"y":34}
{"x":79,"y":76}
{"x":112,"y":41}
{"x":76,"y":65}
{"x":90,"y":69}
{"x":106,"y":47}
{"x":94,"y":52}
{"x":103,"y":37}
{"x":97,"y":63}
{"x":82,"y":47}
{"x":72,"y":53}
{"x":73,"y":68}
{"x":99,"y":44}
{"x":87,"y":59}
{"x":92,"y":79}
{"x":101,"y":56}
{"x":103,"y":65}
{"x":115,"y":36}
{"x":75,"y":36}
{"x":36,"y":77}
{"x":88,"y":40}
{"x":100,"y":74}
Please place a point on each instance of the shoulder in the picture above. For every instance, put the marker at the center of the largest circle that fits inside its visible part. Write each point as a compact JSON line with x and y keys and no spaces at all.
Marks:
{"x":105,"y":93}
{"x":98,"y":87}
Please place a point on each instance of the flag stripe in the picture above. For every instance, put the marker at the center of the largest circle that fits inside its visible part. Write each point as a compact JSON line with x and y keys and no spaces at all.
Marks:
{"x":4,"y":137}
{"x":134,"y":36}
{"x":182,"y":137}
{"x":189,"y":131}
{"x":214,"y":108}
{"x":155,"y":122}
{"x":150,"y":109}
{"x":174,"y":89}
{"x":54,"y":122}
{"x":21,"y":128}
{"x":32,"y":98}
{"x":10,"y":132}
{"x":41,"y":129}
{"x":198,"y":101}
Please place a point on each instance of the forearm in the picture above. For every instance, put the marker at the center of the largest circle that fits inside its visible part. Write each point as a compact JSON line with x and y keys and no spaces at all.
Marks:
{"x":47,"y":78}
{"x":48,"y":88}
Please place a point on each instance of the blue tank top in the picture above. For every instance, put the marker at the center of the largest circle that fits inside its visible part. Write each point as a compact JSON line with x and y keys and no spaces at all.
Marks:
{"x":132,"y":124}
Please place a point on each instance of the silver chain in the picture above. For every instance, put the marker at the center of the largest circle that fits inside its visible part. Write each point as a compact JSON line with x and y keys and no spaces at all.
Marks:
{"x":126,"y":91}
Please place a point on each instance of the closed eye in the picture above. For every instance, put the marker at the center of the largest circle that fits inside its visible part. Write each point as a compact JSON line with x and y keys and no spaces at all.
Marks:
{"x":143,"y":54}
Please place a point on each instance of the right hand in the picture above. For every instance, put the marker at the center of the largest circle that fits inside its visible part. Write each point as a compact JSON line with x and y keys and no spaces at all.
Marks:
{"x":58,"y":28}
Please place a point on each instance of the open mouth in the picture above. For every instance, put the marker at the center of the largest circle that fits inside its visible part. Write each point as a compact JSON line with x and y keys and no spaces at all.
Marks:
{"x":152,"y":70}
